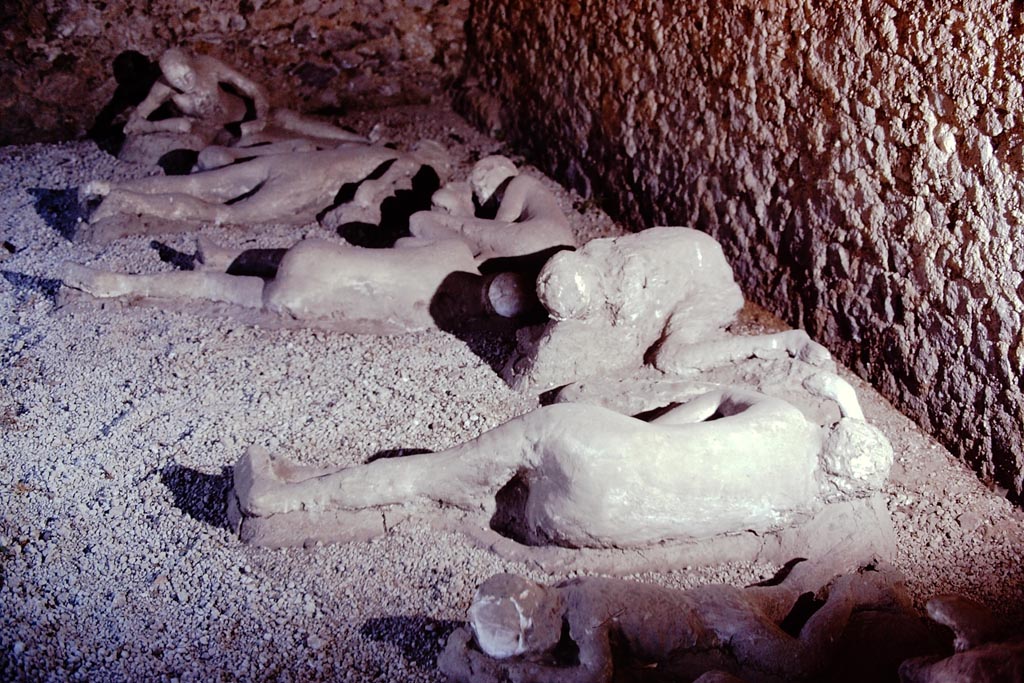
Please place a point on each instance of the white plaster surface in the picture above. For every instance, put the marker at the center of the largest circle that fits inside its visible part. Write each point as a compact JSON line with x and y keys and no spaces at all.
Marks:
{"x":617,"y":299}
{"x":596,"y":478}
{"x":860,"y":164}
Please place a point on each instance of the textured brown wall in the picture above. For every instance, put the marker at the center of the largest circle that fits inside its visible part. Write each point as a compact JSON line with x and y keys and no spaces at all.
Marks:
{"x":55,"y":55}
{"x":861,"y":162}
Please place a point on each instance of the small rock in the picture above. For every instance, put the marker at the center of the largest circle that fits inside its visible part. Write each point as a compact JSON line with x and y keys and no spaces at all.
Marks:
{"x":970,"y":521}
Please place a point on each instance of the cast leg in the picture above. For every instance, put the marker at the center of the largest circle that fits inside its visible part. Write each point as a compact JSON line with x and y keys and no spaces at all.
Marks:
{"x":466,"y":476}
{"x":678,"y":357}
{"x":171,"y":206}
{"x":295,"y":122}
{"x":219,"y":185}
{"x":242,"y":291}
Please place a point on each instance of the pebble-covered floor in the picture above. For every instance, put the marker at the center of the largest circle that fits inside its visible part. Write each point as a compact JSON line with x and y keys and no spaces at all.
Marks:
{"x":119,"y":424}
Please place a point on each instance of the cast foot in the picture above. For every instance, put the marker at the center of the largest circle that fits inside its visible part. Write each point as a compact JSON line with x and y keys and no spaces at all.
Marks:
{"x":265,"y":485}
{"x":211,"y":256}
{"x":95,"y":188}
{"x":99,"y":283}
{"x":255,"y":483}
{"x":110,"y":207}
{"x":831,"y":386}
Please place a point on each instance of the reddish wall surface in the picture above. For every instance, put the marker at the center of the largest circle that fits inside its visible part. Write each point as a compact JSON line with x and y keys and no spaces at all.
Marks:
{"x":55,"y":56}
{"x":864,"y":175}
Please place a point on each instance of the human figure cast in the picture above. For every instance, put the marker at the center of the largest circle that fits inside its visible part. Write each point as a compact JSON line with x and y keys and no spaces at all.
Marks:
{"x":728,"y":460}
{"x":215,"y":114}
{"x":315,"y":281}
{"x":527,"y":217}
{"x":596,"y":630}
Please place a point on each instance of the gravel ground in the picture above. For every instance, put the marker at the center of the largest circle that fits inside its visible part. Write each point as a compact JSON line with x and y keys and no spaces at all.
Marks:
{"x":120,"y":424}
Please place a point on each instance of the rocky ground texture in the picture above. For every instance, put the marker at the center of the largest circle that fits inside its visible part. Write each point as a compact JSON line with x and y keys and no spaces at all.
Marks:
{"x":120,"y":424}
{"x":318,"y":54}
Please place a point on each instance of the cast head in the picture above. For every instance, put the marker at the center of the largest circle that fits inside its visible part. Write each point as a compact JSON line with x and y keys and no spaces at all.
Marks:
{"x":488,"y":174}
{"x":855,"y":459}
{"x":569,"y":286}
{"x":512,"y":616}
{"x":178,"y":68}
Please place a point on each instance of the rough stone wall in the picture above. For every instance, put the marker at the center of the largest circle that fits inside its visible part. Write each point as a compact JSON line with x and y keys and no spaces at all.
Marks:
{"x":861,"y":162}
{"x":56,"y":55}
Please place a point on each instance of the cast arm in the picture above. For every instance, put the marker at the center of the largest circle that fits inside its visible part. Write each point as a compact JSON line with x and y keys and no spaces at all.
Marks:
{"x":526,"y":199}
{"x":138,"y":121}
{"x":595,"y":662}
{"x":677,"y":356}
{"x":435,"y":225}
{"x":513,"y":202}
{"x":808,"y":655}
{"x":464,"y":663}
{"x":252,"y":89}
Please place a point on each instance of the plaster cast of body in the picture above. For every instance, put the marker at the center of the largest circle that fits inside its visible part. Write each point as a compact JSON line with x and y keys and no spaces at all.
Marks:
{"x":365,"y":205}
{"x":290,"y":188}
{"x":315,"y":280}
{"x":624,"y":630}
{"x":662,"y":296}
{"x":986,"y":650}
{"x":193,"y":84}
{"x":528,"y":218}
{"x":217,"y":156}
{"x":729,"y":460}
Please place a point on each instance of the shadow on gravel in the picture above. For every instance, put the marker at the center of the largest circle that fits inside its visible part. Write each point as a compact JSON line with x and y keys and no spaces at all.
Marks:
{"x":59,"y":209}
{"x":457,"y":308}
{"x":24,"y":284}
{"x":182,"y":260}
{"x":203,"y":497}
{"x":461,"y":307}
{"x":420,"y":639}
